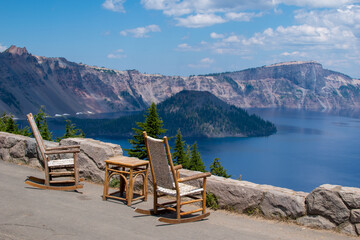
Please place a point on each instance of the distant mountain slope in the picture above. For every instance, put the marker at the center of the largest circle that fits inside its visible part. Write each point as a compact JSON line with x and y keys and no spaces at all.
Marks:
{"x":28,"y":81}
{"x":197,"y":114}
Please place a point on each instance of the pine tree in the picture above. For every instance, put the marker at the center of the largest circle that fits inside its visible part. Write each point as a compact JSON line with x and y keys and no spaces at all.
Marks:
{"x":179,"y":152}
{"x":41,"y":123}
{"x":71,"y":131}
{"x":217,"y":169}
{"x":153,"y":126}
{"x":196,"y":162}
{"x":8,"y":124}
{"x":186,"y":163}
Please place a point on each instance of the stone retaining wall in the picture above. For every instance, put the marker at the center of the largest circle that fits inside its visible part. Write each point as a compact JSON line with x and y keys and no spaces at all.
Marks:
{"x":326,"y":207}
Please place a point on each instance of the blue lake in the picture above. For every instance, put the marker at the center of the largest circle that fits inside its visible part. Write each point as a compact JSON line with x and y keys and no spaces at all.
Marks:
{"x":310,"y":149}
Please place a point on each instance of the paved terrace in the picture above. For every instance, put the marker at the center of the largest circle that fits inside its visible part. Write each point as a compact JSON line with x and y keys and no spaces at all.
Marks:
{"x":30,"y":213}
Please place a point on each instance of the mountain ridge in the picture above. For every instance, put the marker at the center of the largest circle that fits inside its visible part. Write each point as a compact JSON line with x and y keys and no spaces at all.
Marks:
{"x":28,"y":81}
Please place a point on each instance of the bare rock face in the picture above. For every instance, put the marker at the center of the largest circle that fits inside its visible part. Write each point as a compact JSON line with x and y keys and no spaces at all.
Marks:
{"x":325,"y":201}
{"x":280,"y":204}
{"x":316,"y":222}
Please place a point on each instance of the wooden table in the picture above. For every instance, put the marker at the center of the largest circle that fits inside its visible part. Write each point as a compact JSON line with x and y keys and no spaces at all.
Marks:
{"x":128,"y":168}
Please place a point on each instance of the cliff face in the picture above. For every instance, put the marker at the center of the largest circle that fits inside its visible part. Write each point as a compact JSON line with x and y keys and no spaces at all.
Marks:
{"x":28,"y":81}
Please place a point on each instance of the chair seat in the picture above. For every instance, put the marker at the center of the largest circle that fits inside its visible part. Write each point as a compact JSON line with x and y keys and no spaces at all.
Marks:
{"x":185,"y":189}
{"x":61,"y":162}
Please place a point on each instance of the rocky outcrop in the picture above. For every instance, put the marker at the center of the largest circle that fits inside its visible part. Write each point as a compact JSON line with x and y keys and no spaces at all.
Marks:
{"x":326,"y":207}
{"x":28,"y":81}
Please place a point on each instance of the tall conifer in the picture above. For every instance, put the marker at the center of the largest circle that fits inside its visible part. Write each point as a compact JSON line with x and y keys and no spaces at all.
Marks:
{"x":217,"y":169}
{"x":40,"y":119}
{"x":179,"y":151}
{"x":196,"y":162}
{"x":153,"y":126}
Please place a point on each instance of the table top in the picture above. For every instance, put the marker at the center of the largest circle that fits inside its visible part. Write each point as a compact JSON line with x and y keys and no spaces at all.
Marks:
{"x":126,"y":161}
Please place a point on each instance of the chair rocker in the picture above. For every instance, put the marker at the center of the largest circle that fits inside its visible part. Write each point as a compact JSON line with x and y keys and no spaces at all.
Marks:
{"x":60,"y":174}
{"x":166,"y":182}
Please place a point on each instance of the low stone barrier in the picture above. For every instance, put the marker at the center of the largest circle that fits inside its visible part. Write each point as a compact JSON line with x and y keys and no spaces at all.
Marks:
{"x":326,"y":207}
{"x":93,"y":153}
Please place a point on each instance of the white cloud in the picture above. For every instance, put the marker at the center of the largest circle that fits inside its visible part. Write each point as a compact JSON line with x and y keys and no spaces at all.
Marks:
{"x":232,"y":39}
{"x":294,"y":53}
{"x":2,"y":48}
{"x":117,"y":54}
{"x":203,"y":13}
{"x":318,"y":3}
{"x":200,"y":20}
{"x":195,"y":14}
{"x":203,"y":63}
{"x":242,"y":16}
{"x":187,"y":47}
{"x":141,"y":32}
{"x":215,"y":35}
{"x":346,"y":16}
{"x":114,"y":5}
{"x":207,"y":60}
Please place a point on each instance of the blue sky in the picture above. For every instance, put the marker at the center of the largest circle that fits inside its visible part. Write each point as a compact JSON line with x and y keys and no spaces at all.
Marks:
{"x":184,"y":37}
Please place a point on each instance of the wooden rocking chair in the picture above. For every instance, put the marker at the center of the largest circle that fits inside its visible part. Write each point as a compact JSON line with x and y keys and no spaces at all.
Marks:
{"x":166,"y":182}
{"x":66,"y":171}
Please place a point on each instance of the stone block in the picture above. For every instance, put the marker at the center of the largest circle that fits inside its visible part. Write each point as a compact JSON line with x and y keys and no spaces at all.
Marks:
{"x":92,"y":156}
{"x":325,"y":201}
{"x":348,"y":228}
{"x":237,"y":195}
{"x":316,"y":222}
{"x":355,"y":216}
{"x":280,"y":204}
{"x":351,"y":196}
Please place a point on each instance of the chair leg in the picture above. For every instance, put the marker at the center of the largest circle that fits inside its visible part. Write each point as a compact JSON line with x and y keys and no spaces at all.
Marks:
{"x":178,"y":206}
{"x":204,"y":196}
{"x":155,"y":201}
{"x":106,"y":182}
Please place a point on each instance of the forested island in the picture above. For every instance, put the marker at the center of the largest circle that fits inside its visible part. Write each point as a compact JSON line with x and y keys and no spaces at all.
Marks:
{"x":196,"y":113}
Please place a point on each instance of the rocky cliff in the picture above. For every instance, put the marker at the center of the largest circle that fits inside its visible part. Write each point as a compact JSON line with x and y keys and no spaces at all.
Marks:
{"x":28,"y":81}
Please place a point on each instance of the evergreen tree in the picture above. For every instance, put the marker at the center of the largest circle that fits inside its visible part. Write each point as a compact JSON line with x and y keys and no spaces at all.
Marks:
{"x":186,"y":163}
{"x":217,"y":169}
{"x":153,"y":126}
{"x":71,"y":131}
{"x":196,"y":162}
{"x":179,"y":153}
{"x":41,"y":123}
{"x":8,"y":124}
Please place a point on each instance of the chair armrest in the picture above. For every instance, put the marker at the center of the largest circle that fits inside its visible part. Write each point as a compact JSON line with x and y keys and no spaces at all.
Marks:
{"x":193,"y":177}
{"x":62,"y":151}
{"x":177,"y":167}
{"x":62,"y":147}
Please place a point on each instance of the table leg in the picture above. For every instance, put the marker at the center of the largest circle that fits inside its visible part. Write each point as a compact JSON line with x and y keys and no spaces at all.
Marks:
{"x":122,"y":183}
{"x":129,"y":194}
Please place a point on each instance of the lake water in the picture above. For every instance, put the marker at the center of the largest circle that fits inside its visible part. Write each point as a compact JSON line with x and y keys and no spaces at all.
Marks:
{"x":310,"y":149}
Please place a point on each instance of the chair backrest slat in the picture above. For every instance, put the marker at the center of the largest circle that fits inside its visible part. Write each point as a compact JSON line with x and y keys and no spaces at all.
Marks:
{"x":159,"y":162}
{"x":36,"y":134}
